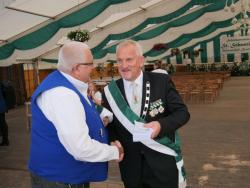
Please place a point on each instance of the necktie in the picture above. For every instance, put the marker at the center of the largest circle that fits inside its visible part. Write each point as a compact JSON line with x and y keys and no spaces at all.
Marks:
{"x":136,"y":102}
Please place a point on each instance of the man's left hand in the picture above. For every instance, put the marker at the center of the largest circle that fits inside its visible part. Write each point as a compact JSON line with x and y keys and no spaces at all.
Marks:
{"x":155,"y":125}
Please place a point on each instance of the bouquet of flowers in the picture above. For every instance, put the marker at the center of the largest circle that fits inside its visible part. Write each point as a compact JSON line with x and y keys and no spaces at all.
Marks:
{"x":79,"y":35}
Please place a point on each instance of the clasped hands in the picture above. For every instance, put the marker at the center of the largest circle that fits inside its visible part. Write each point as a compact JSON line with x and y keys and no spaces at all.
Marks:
{"x":120,"y":149}
{"x":154,"y":125}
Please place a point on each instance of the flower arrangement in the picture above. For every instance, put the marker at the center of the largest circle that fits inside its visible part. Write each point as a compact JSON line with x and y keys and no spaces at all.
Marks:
{"x":186,"y":54}
{"x":175,"y":51}
{"x":79,"y":35}
{"x":196,"y":53}
{"x":160,"y":46}
{"x":224,"y":67}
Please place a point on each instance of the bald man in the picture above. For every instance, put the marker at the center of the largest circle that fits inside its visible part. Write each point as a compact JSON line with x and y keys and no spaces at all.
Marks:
{"x":68,"y":141}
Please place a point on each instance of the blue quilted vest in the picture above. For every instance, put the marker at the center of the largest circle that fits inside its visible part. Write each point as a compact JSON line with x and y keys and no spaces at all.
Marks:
{"x":48,"y":157}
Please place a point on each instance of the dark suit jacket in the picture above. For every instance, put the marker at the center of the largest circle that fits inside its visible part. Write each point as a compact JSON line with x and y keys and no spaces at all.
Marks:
{"x":174,"y":116}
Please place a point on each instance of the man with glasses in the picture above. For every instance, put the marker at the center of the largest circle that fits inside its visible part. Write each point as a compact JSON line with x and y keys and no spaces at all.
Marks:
{"x":68,"y":141}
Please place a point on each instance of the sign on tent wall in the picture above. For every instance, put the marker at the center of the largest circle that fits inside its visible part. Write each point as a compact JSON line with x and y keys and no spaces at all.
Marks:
{"x":235,"y":44}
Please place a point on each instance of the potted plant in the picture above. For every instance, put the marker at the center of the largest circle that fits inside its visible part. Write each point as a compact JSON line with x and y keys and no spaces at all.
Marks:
{"x":224,"y":67}
{"x":79,"y":35}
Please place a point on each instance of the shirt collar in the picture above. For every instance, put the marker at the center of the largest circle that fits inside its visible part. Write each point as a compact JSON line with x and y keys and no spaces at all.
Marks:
{"x":79,"y":85}
{"x":138,"y":81}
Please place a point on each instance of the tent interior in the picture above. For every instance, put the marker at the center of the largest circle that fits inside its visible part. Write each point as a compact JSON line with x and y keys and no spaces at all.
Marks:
{"x":188,"y":34}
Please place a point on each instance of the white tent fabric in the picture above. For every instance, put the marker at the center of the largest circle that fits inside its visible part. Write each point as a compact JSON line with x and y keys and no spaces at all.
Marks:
{"x":18,"y":54}
{"x":10,"y":30}
{"x":128,"y":20}
{"x":4,"y":3}
{"x":118,"y":18}
{"x":191,"y":43}
{"x":48,"y":8}
{"x":30,"y":13}
{"x":134,"y":18}
{"x":197,"y":40}
{"x":174,"y":33}
{"x":169,"y":35}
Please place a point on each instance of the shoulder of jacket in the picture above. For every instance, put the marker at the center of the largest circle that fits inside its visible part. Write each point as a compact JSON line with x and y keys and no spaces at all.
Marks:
{"x":154,"y":75}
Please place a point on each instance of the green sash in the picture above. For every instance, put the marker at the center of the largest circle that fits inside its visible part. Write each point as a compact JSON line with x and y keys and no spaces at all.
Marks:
{"x":127,"y":117}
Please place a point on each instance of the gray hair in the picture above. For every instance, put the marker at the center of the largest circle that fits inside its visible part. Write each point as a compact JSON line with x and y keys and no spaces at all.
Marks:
{"x":131,"y":42}
{"x":71,"y":54}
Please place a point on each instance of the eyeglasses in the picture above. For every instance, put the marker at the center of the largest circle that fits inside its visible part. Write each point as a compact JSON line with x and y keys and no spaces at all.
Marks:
{"x":87,"y":64}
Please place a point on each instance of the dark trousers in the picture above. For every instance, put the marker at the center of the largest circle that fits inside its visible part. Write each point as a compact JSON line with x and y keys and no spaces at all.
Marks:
{"x":4,"y":129}
{"x":149,"y":179}
{"x":39,"y":182}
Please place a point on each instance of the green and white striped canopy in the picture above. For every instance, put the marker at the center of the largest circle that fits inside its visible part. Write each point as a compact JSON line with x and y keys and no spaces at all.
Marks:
{"x":40,"y":27}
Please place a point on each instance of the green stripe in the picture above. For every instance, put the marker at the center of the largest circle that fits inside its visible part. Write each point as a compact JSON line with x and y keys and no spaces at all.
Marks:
{"x":121,"y":103}
{"x":42,"y":35}
{"x":217,"y":54}
{"x":125,"y":109}
{"x":50,"y":60}
{"x":131,"y":116}
{"x":215,"y":6}
{"x":204,"y":52}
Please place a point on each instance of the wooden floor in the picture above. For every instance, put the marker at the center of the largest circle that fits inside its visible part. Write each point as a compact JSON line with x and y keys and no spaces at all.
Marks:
{"x":215,"y":144}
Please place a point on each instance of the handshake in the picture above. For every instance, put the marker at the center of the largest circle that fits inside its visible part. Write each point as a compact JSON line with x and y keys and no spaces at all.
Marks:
{"x":120,"y":149}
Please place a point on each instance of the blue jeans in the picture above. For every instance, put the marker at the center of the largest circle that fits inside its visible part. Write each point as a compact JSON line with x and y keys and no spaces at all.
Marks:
{"x":39,"y":182}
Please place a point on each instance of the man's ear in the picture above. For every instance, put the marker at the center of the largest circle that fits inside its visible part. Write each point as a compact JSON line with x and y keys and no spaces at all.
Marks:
{"x":75,"y":67}
{"x":75,"y":70}
{"x":142,"y":59}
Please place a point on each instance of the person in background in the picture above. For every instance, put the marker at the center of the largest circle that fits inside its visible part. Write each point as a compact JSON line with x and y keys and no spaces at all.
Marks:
{"x":158,"y":67}
{"x":3,"y":123}
{"x":96,"y":96}
{"x":68,"y":139}
{"x":145,"y":102}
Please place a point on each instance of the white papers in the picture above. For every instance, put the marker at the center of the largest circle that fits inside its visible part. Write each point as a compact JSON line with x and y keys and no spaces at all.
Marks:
{"x":141,"y":133}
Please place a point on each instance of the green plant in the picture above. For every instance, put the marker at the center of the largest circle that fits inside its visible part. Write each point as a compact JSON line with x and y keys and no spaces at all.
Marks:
{"x":79,"y":35}
{"x":224,"y":67}
{"x":235,"y":70}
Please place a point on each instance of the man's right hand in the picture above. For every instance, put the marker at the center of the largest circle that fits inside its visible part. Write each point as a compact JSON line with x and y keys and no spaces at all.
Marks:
{"x":120,"y":149}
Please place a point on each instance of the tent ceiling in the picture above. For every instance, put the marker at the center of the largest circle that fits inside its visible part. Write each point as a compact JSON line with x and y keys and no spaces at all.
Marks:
{"x":8,"y":17}
{"x":4,"y":3}
{"x":31,"y":13}
{"x":118,"y":6}
{"x":50,"y":8}
{"x":127,"y":19}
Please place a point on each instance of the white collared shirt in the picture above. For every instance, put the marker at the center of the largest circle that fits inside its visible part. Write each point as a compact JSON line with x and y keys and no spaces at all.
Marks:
{"x":129,"y":91}
{"x":62,"y":106}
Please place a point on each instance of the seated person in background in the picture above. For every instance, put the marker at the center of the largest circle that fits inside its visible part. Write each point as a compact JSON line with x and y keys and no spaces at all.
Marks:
{"x":158,"y":68}
{"x":96,"y":96}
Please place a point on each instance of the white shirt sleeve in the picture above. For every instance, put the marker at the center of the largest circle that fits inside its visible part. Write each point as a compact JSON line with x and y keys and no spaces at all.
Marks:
{"x":64,"y":109}
{"x":98,"y":95}
{"x":106,"y":113}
